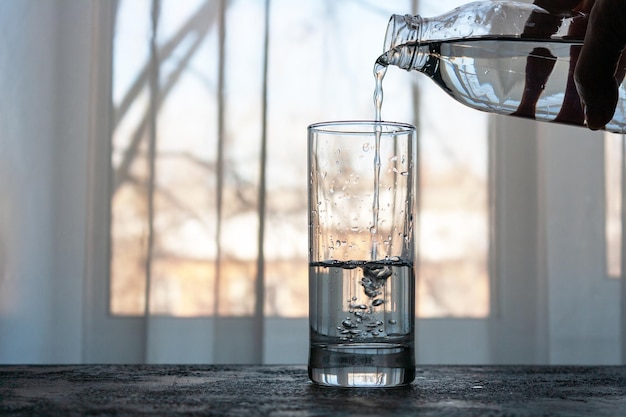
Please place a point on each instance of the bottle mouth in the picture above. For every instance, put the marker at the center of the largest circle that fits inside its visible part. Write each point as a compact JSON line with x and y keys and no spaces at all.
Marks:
{"x":400,"y":30}
{"x":400,"y":40}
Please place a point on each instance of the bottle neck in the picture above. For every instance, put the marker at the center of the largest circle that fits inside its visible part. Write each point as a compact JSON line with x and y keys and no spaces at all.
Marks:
{"x":402,"y":29}
{"x":403,"y":42}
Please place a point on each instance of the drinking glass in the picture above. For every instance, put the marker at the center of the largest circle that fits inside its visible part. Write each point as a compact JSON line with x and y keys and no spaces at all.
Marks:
{"x":361,"y":251}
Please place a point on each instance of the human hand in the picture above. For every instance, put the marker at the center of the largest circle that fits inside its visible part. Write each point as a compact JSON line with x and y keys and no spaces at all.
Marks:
{"x":600,"y":67}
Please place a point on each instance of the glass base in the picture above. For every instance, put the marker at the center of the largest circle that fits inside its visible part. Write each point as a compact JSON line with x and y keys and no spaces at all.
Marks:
{"x":372,"y":365}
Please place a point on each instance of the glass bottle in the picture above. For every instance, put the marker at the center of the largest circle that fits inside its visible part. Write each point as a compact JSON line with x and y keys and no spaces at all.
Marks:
{"x":501,"y":57}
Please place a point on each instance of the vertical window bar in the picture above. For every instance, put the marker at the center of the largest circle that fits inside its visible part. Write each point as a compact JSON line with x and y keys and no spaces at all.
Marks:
{"x":220,"y":153}
{"x":152,"y":139}
{"x":623,"y":247}
{"x":613,"y":186}
{"x":260,"y":277}
{"x":415,"y":101}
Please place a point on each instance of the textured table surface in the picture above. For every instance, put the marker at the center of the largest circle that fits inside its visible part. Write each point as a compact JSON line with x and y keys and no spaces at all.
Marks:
{"x":113,"y":390}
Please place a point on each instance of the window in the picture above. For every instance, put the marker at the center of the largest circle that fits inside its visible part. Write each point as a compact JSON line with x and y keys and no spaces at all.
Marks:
{"x":209,"y":155}
{"x":454,"y":217}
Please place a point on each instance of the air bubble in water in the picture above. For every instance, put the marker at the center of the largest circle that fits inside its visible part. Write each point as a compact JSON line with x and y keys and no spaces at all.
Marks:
{"x":348,"y":324}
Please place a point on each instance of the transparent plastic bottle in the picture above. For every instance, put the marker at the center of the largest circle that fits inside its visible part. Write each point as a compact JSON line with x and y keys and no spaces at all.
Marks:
{"x":501,"y":57}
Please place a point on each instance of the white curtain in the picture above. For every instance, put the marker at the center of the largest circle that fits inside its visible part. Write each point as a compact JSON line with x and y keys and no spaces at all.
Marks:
{"x":153,"y":190}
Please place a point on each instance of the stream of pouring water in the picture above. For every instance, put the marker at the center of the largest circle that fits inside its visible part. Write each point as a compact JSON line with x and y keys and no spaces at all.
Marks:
{"x":379,"y":74}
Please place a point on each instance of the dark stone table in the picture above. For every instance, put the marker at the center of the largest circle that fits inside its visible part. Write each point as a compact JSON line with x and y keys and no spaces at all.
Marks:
{"x":212,"y":390}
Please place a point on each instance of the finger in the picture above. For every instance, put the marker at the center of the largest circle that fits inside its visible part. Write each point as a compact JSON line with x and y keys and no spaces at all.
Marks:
{"x":595,"y":71}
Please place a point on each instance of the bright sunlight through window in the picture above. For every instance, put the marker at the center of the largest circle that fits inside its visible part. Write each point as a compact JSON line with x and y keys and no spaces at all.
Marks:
{"x":188,"y":201}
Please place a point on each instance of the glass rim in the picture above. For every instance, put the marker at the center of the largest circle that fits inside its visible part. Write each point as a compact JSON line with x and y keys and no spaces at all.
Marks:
{"x":343,"y":127}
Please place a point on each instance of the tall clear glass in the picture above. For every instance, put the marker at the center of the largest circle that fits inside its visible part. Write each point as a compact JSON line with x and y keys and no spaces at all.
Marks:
{"x":361,"y":251}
